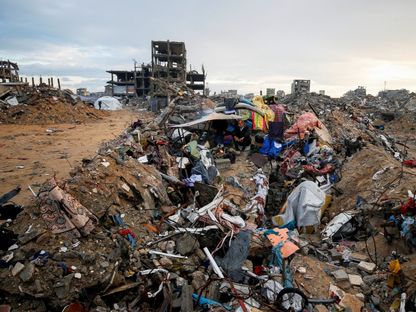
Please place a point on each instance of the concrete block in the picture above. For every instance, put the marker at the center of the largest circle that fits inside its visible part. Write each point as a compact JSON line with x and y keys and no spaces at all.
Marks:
{"x":340,"y":275}
{"x":355,"y":279}
{"x":368,"y":267}
{"x":17,"y":268}
{"x":222,"y":163}
{"x":358,"y":257}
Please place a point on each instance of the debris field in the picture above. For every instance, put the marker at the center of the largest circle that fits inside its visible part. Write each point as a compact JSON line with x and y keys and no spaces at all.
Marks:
{"x":305,"y":202}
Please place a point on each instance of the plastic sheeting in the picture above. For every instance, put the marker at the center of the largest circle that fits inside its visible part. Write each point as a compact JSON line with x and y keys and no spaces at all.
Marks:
{"x":108,"y":103}
{"x":303,"y":206}
{"x":210,"y":117}
{"x":336,"y":224}
{"x":305,"y":123}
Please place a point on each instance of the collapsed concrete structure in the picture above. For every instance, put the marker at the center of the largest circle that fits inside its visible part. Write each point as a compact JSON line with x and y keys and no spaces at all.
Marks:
{"x":168,"y":64}
{"x":301,"y":86}
{"x":9,"y":71}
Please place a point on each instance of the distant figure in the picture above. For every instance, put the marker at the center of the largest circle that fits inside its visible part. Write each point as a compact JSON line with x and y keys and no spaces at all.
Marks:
{"x":242,"y":138}
{"x":99,"y":104}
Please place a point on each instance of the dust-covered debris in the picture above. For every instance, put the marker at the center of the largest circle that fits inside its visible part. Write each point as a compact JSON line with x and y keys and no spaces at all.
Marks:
{"x":189,"y":217}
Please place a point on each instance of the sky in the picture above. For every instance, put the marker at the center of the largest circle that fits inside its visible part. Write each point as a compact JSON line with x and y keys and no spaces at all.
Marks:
{"x":248,"y":45}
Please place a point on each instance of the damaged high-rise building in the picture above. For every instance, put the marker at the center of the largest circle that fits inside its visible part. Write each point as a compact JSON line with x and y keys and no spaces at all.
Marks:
{"x":131,"y":83}
{"x":169,"y":60}
{"x":301,"y":86}
{"x":168,"y":64}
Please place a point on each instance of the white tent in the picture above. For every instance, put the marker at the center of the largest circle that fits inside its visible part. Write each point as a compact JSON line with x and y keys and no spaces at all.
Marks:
{"x":108,"y":103}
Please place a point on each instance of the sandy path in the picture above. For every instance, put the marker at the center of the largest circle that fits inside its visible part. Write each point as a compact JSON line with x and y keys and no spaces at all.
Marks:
{"x":43,"y":154}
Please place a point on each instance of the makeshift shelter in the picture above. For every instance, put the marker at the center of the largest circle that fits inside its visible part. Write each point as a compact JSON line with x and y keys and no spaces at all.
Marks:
{"x":207,"y":118}
{"x":108,"y":103}
{"x":260,"y":113}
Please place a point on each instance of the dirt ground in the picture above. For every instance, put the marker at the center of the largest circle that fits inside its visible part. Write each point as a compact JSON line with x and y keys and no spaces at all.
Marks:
{"x":31,"y":153}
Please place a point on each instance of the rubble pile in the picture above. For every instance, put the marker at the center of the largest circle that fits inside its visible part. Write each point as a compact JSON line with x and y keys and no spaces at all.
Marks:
{"x":189,"y":106}
{"x":44,"y":105}
{"x":321,"y":104}
{"x":315,"y":213}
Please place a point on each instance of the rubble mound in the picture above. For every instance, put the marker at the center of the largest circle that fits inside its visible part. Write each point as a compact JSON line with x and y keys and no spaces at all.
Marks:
{"x":49,"y":111}
{"x":44,"y":105}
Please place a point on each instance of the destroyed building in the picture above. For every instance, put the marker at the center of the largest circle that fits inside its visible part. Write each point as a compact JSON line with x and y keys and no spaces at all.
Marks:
{"x":168,"y":64}
{"x":301,"y":86}
{"x":270,"y":91}
{"x":9,"y":71}
{"x":82,"y":92}
{"x":196,"y":81}
{"x":169,"y":61}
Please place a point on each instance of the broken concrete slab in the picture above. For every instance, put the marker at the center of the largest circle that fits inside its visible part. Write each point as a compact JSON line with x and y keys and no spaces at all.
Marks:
{"x":340,"y":275}
{"x":27,"y":273}
{"x":355,"y":279}
{"x":368,"y":267}
{"x":222,"y":163}
{"x":351,"y":302}
{"x":18,"y":267}
{"x":358,"y":257}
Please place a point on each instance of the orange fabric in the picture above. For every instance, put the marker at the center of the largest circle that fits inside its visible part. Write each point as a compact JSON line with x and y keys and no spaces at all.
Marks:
{"x":288,"y":248}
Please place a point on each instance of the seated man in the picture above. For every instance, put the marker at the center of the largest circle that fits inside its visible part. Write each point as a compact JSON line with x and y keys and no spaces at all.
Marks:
{"x":242,"y":138}
{"x":219,"y":127}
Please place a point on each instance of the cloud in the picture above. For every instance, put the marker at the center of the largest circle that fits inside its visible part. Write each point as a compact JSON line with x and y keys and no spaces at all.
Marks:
{"x":243,"y":44}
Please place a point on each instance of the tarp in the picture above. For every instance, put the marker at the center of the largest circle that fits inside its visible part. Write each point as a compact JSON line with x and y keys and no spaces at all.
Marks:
{"x":305,"y":123}
{"x":243,"y":106}
{"x":210,"y":117}
{"x":336,"y":224}
{"x":303,"y":206}
{"x":108,"y":103}
{"x":12,"y":100}
{"x":268,"y":114}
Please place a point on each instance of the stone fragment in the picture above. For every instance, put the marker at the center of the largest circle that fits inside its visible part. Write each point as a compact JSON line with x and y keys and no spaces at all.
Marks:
{"x":355,"y":256}
{"x":198,"y":280}
{"x":222,"y":163}
{"x":165,"y":262}
{"x":340,"y":275}
{"x":335,"y":255}
{"x":376,"y":300}
{"x":368,"y":267}
{"x":186,"y":298}
{"x":186,"y":244}
{"x":352,"y":303}
{"x":27,"y":273}
{"x":17,"y":268}
{"x":355,"y":279}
